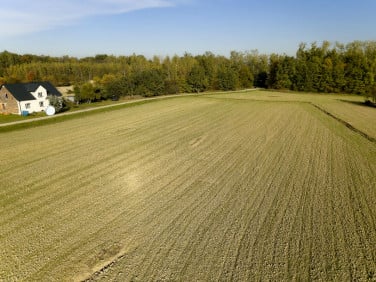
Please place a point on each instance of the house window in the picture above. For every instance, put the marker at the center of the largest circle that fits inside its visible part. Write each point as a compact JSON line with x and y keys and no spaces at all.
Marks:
{"x":27,"y":106}
{"x":3,"y":107}
{"x":6,"y":95}
{"x":40,"y":94}
{"x":40,"y":104}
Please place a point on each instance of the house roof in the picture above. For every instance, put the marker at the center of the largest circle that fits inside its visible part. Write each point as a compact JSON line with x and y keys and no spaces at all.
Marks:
{"x":21,"y":91}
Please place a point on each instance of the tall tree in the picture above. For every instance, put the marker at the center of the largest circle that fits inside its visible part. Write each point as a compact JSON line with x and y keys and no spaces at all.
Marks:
{"x":197,"y":80}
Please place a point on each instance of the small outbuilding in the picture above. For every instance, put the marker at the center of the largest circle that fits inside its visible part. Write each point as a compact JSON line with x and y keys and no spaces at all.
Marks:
{"x":25,"y":98}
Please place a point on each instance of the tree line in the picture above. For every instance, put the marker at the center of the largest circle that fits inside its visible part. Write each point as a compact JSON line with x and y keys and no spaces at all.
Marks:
{"x":327,"y":68}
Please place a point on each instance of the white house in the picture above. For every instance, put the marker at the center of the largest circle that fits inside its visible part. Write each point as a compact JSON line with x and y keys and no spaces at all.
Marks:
{"x":22,"y":98}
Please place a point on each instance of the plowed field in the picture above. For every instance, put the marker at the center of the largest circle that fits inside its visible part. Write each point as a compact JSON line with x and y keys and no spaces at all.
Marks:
{"x":206,"y":188}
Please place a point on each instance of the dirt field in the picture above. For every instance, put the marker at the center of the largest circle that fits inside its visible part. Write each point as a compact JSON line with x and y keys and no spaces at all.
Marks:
{"x":229,"y":187}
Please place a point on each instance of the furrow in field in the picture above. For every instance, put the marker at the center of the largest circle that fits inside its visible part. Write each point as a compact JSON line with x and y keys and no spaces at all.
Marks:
{"x":94,"y":165}
{"x":361,"y":238}
{"x":94,"y":158}
{"x":204,"y":206}
{"x":204,"y":232}
{"x":69,"y":148}
{"x":204,"y":189}
{"x":276,"y":228}
{"x":156,"y":220}
{"x":316,"y":263}
{"x":279,"y":163}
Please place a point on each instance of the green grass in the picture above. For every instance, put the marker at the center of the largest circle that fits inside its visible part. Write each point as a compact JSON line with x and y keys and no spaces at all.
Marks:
{"x":235,"y":187}
{"x":12,"y":118}
{"x":71,"y":115}
{"x":73,"y":108}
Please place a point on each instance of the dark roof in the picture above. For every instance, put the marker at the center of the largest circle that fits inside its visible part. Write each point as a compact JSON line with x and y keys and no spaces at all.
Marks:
{"x":21,"y":91}
{"x":51,"y":90}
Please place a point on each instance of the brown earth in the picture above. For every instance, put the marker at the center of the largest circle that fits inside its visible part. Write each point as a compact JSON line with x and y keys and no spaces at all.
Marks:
{"x":189,"y":189}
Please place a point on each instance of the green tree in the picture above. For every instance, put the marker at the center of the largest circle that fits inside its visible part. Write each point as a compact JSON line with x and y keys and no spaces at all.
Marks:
{"x":246,"y":78}
{"x":258,"y":65}
{"x":356,"y":69}
{"x":85,"y":93}
{"x":172,"y":81}
{"x":122,"y":86}
{"x":281,"y":72}
{"x":209,"y":62}
{"x":58,"y":103}
{"x":149,"y":83}
{"x":227,"y":79}
{"x":197,"y":79}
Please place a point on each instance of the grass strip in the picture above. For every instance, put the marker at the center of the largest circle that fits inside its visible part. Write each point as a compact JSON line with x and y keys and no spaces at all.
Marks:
{"x":73,"y":115}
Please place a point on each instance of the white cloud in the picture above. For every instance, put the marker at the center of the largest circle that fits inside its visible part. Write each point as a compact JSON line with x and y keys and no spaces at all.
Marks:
{"x":25,"y":16}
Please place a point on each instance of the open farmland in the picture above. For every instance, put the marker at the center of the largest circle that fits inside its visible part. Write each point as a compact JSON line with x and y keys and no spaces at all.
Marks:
{"x":234,"y":187}
{"x":348,"y":108}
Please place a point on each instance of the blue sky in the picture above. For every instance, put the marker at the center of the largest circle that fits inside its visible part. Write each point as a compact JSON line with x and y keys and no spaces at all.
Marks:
{"x":167,"y":27}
